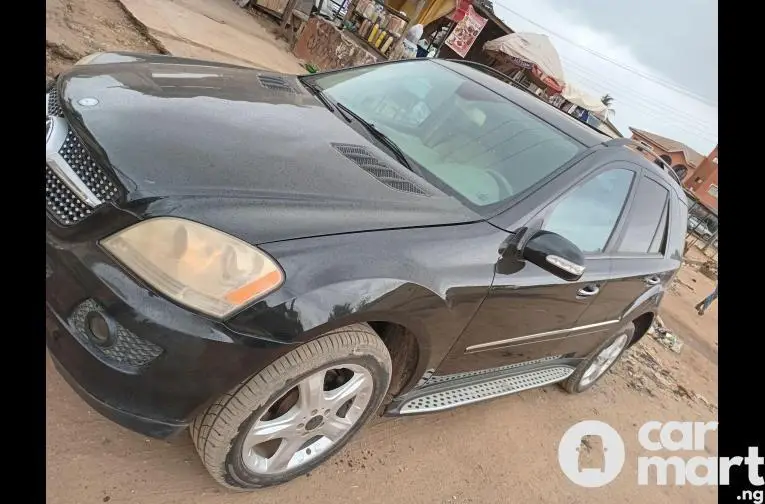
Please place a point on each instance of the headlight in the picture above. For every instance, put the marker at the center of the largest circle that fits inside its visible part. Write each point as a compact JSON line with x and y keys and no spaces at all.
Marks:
{"x":88,"y":59}
{"x":195,"y":265}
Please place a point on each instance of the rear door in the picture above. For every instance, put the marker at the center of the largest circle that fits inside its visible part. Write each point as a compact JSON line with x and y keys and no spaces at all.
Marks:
{"x":642,"y":259}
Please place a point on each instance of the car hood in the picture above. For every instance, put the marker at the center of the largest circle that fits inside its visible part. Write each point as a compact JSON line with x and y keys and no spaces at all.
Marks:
{"x":252,"y":153}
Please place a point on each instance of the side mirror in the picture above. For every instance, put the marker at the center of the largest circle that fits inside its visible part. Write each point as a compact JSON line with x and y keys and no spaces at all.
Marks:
{"x":555,"y":254}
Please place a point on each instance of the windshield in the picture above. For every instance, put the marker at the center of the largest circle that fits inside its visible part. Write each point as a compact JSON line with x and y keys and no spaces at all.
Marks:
{"x":466,"y":139}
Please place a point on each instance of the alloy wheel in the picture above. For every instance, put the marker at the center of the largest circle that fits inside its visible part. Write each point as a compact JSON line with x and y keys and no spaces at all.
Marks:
{"x":604,"y":360}
{"x":308,"y":419}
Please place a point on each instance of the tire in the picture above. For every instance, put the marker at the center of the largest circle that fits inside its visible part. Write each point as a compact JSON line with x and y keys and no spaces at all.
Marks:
{"x":579,"y":382}
{"x":240,"y":418}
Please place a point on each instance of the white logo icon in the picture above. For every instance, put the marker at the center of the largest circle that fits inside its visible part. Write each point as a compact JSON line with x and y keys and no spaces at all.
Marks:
{"x":88,"y":102}
{"x":569,"y":454}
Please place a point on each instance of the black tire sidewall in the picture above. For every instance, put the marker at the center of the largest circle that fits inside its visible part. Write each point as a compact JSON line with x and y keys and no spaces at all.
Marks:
{"x":245,"y":478}
{"x":574,"y":383}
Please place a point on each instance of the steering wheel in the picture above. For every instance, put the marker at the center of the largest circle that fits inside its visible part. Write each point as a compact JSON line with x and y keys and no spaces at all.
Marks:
{"x":505,"y":189}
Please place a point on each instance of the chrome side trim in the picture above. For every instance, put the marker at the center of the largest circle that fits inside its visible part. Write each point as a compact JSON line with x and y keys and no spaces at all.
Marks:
{"x":496,"y":344}
{"x":60,"y":167}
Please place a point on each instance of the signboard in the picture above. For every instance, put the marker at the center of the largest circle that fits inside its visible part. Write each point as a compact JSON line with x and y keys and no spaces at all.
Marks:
{"x":463,"y":36}
{"x":460,"y":11}
{"x":521,"y":63}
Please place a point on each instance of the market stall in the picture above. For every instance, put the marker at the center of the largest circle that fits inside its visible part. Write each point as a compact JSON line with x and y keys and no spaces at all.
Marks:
{"x":371,"y":31}
{"x":528,"y":57}
{"x":376,"y":26}
{"x":327,"y":47}
{"x":584,"y":100}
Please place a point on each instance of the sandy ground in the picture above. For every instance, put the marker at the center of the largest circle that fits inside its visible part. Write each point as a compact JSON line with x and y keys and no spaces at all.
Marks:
{"x":205,"y":29}
{"x":499,"y":451}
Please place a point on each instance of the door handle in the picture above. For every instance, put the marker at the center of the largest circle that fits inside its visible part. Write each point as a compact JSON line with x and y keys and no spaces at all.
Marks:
{"x":588,"y":290}
{"x":652,"y":280}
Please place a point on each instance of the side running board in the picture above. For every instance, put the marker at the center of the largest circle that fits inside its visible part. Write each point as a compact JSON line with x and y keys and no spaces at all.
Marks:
{"x":468,"y":393}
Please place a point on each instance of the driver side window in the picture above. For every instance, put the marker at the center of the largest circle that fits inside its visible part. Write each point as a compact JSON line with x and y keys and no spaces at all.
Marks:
{"x":588,"y":214}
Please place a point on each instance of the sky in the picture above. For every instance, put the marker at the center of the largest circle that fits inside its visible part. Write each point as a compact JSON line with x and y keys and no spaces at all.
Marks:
{"x":656,"y":58}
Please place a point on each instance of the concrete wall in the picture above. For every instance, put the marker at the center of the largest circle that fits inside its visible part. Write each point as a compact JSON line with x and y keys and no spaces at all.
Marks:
{"x":328,"y":48}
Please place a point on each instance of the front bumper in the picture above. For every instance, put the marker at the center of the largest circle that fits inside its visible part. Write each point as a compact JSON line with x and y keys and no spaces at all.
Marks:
{"x":166,"y":363}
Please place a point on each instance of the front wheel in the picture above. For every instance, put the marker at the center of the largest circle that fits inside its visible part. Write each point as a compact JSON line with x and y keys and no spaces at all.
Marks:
{"x":592,"y":369}
{"x":296,"y":413}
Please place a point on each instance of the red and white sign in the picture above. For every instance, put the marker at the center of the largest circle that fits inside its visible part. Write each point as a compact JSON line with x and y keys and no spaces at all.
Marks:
{"x":461,"y":39}
{"x":460,"y":11}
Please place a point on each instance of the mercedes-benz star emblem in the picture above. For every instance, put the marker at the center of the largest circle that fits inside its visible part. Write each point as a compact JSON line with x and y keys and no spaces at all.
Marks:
{"x":88,"y":102}
{"x":48,"y":128}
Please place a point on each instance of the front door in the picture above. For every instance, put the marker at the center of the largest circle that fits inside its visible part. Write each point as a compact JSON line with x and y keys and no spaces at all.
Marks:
{"x":529,"y":312}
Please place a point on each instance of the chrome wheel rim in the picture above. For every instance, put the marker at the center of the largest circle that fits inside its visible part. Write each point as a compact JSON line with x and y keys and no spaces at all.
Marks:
{"x":604,"y":360}
{"x":308,"y":420}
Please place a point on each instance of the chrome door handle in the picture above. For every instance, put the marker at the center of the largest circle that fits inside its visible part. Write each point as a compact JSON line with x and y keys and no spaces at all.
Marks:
{"x":588,"y":290}
{"x":652,"y":280}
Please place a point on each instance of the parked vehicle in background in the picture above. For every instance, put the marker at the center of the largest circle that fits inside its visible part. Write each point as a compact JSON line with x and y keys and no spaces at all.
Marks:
{"x":413,"y":235}
{"x":698,"y":227}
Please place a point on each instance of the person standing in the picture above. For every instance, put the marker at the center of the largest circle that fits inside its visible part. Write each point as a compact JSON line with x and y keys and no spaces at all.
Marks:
{"x":706,"y":302}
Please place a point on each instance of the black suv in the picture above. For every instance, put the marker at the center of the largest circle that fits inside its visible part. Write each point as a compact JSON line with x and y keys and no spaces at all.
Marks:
{"x":269,"y":260}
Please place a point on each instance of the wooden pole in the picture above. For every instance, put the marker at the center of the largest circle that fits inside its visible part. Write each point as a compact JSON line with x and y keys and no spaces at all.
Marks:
{"x":287,"y":15}
{"x":417,"y":10}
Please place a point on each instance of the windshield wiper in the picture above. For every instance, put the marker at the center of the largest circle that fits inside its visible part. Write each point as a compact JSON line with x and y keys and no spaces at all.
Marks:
{"x":379,"y":135}
{"x":318,"y":92}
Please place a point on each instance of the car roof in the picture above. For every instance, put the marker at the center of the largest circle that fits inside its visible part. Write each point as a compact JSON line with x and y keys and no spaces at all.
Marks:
{"x":566,"y":123}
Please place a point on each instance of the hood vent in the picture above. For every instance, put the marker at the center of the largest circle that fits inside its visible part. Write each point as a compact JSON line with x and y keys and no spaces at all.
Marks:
{"x":275,"y":83}
{"x":378,"y":169}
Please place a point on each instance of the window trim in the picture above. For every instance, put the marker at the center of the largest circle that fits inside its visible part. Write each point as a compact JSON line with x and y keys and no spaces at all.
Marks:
{"x":665,"y":212}
{"x":710,"y":187}
{"x":664,"y":236}
{"x":616,"y":233}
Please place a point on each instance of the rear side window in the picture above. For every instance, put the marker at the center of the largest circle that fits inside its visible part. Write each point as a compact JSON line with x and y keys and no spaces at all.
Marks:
{"x":647,"y":224}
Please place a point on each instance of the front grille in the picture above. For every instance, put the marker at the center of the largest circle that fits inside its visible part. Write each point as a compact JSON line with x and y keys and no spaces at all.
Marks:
{"x":127,"y":351}
{"x":62,"y":202}
{"x":85,"y":167}
{"x":54,"y":107}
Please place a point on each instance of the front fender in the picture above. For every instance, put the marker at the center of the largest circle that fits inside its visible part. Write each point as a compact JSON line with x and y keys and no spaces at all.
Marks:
{"x":430,"y":281}
{"x":431,"y":319}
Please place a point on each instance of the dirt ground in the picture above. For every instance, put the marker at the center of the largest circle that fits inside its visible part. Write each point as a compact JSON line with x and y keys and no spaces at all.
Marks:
{"x":76,"y":28}
{"x":499,"y":451}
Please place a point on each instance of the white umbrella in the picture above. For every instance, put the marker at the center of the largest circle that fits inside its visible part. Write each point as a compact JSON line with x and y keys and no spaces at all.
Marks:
{"x":529,"y":49}
{"x":585,"y":100}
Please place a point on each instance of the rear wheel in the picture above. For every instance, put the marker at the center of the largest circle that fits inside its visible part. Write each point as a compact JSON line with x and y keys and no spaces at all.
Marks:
{"x":297,"y":412}
{"x":595,"y":366}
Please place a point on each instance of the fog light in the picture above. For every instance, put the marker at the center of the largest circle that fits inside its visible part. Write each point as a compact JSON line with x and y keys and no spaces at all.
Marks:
{"x":100,"y":329}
